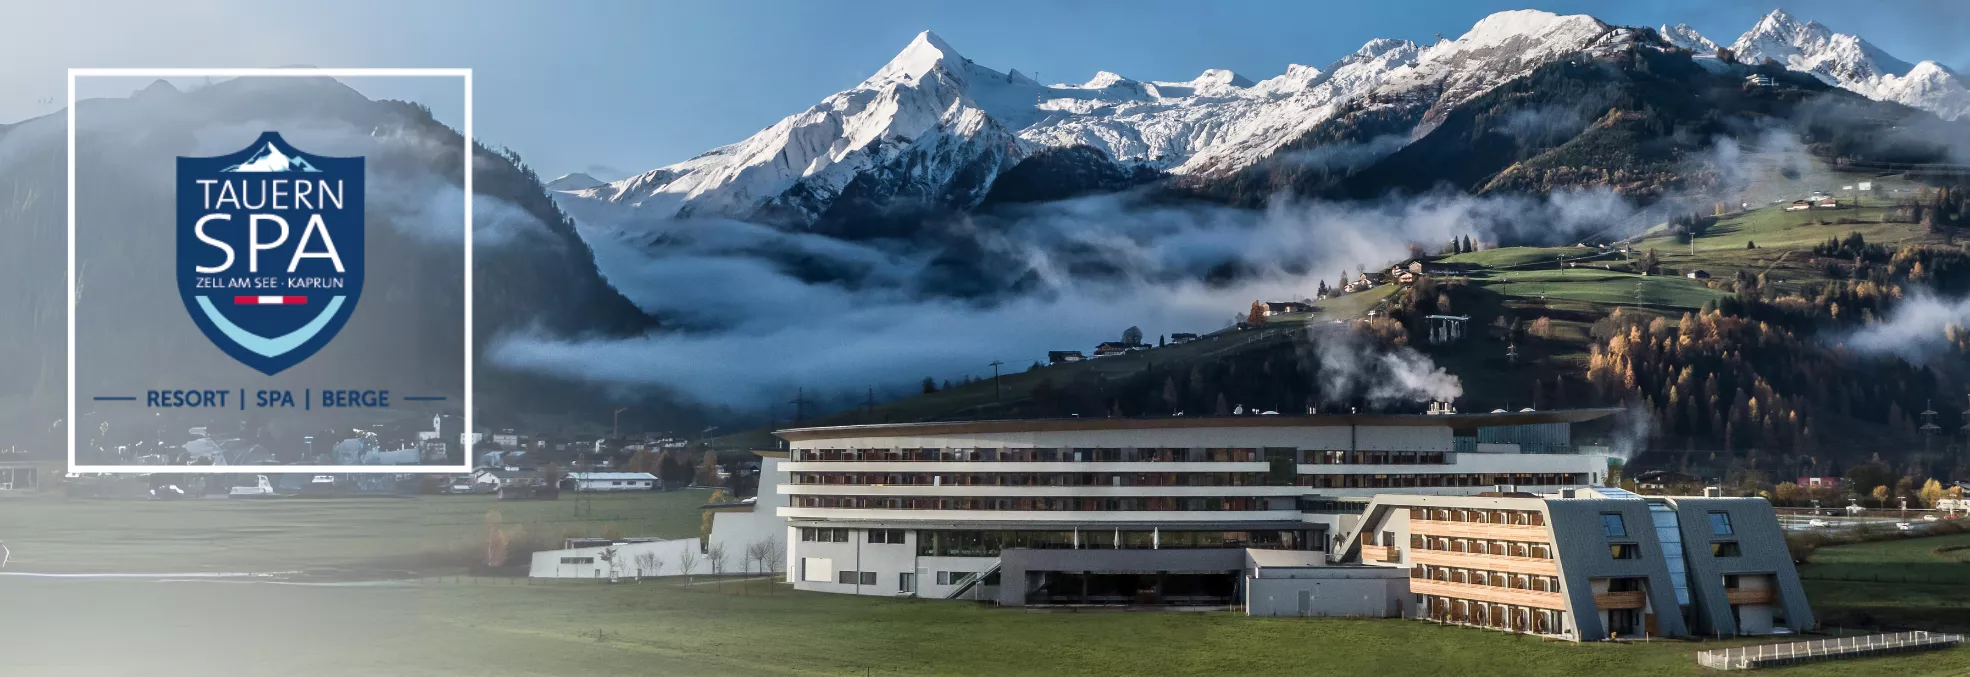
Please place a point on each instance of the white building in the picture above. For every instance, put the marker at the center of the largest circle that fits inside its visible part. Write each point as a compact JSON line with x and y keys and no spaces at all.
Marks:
{"x":1135,"y":511}
{"x":613,"y":481}
{"x":741,"y":534}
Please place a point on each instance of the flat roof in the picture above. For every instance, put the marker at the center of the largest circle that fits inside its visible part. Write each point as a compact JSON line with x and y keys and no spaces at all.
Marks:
{"x":1178,"y":422}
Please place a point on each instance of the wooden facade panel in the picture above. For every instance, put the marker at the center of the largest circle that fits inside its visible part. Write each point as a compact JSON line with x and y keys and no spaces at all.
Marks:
{"x":1484,"y":530}
{"x":1621,"y":600}
{"x":1749,"y":596}
{"x":1486,"y":593}
{"x":1505,"y":563}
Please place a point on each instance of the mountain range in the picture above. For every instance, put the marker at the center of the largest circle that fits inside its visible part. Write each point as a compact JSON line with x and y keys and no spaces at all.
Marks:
{"x":934,"y":131}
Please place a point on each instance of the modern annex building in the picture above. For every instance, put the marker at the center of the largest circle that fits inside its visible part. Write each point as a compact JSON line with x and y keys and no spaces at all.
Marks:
{"x":1136,"y":511}
{"x":1587,"y":563}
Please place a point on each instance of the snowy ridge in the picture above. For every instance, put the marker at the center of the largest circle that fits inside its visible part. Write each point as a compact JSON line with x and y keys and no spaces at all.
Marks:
{"x":933,"y":126}
{"x":575,"y":181}
{"x":1681,"y":35}
{"x":1847,"y":61}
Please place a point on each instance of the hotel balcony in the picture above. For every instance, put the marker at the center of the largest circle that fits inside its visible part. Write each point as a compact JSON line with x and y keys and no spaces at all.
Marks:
{"x":1381,"y":553}
{"x":1482,"y":530}
{"x":1466,"y":560}
{"x":1749,"y":596}
{"x":1621,"y":600}
{"x":1488,"y":593}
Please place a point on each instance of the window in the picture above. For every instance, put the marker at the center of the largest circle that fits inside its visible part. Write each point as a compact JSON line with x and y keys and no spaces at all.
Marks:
{"x":857,"y":578}
{"x":1612,"y":526}
{"x":868,"y":578}
{"x":1724,"y":549}
{"x":952,"y":577}
{"x":1624,"y":551}
{"x":824,"y":535}
{"x":1720,"y":523}
{"x":906,"y":582}
{"x":893,"y":536}
{"x":577,"y":560}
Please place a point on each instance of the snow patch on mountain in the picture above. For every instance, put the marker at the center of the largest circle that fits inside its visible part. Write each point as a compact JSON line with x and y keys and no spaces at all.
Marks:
{"x":1681,"y":35}
{"x":934,"y":127}
{"x":1847,"y":61}
{"x":575,"y":181}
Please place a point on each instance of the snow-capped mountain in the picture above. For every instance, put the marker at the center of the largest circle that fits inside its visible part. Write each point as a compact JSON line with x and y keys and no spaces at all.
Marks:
{"x":1847,"y":61}
{"x":933,"y":128}
{"x":1681,"y":35}
{"x":575,"y":181}
{"x":270,"y":159}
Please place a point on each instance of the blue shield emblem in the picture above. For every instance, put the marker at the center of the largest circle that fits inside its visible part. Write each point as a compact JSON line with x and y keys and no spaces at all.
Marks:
{"x":270,"y":249}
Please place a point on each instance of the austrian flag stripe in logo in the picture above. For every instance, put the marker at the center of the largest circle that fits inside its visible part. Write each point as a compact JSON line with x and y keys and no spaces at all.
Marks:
{"x":270,"y":249}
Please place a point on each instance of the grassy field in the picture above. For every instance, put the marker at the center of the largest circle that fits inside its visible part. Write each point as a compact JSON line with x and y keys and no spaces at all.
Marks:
{"x":1606,"y":287}
{"x":461,"y":625}
{"x":1921,"y":583}
{"x":503,"y":627}
{"x":52,"y":533}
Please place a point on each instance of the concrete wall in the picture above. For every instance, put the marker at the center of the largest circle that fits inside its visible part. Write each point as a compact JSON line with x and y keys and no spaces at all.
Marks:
{"x":1375,"y":592}
{"x":1761,"y":544}
{"x":1582,"y":548}
{"x":734,"y":530}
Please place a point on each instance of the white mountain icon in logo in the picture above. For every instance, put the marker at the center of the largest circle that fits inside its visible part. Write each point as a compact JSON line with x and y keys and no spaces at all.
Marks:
{"x":270,"y":159}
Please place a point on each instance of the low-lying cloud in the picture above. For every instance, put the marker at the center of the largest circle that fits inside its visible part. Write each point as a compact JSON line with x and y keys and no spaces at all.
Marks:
{"x":1916,"y":330}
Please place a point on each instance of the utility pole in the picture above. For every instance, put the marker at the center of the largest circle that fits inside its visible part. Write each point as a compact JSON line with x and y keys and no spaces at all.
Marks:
{"x":995,"y":380}
{"x":870,"y":403}
{"x":1929,"y":427}
{"x":799,"y":404}
{"x":615,"y":428}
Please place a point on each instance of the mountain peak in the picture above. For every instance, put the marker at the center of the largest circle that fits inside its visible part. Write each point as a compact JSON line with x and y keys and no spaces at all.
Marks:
{"x":924,"y":54}
{"x":1681,"y":35}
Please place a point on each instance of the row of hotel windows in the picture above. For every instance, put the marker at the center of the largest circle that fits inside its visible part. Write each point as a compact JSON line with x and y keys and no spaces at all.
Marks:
{"x":1134,"y":455}
{"x":1363,"y":481}
{"x":1105,"y":504}
{"x":1613,"y":526}
{"x":1086,"y":455}
{"x":1013,"y":479}
{"x":941,"y":543}
{"x":1494,"y":579}
{"x":1480,"y":516}
{"x":945,"y":543}
{"x":1497,"y":616}
{"x":1479,"y":547}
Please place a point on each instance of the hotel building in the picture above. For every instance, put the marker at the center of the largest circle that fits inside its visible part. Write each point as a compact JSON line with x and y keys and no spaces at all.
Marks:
{"x":1134,"y":511}
{"x":1587,"y":563}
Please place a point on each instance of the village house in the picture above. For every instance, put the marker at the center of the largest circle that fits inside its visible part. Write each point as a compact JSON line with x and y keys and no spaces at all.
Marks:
{"x":1064,"y":356}
{"x":1282,"y":307}
{"x":613,"y":481}
{"x":1182,"y":337}
{"x":1698,"y":274}
{"x":1799,"y":206}
{"x":1107,"y":348}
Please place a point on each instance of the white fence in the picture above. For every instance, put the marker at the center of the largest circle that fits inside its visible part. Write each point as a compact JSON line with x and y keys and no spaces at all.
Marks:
{"x":1766,"y":655}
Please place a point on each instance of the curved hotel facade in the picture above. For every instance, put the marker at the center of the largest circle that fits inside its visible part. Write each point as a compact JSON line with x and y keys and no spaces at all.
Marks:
{"x":1133,"y":511}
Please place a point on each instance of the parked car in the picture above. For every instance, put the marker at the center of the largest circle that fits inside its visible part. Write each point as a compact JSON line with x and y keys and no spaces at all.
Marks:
{"x":1817,"y":523}
{"x":1904,"y":526}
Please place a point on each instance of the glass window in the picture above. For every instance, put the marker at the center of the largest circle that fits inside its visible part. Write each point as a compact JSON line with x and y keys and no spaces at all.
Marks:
{"x":1624,"y":551}
{"x":1612,"y":526}
{"x":1724,"y":549}
{"x":1720,"y":523}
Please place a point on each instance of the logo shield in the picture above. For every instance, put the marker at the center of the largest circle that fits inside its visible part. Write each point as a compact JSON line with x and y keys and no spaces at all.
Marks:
{"x":270,"y":249}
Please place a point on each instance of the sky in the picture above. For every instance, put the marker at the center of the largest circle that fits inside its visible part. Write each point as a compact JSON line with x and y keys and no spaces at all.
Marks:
{"x":619,"y":87}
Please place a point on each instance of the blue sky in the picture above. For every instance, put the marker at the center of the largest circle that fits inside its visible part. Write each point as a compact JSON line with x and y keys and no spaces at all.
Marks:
{"x":621,"y":87}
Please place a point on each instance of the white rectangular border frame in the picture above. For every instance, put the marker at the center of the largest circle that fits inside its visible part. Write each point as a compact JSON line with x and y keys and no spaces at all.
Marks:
{"x":465,"y":459}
